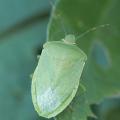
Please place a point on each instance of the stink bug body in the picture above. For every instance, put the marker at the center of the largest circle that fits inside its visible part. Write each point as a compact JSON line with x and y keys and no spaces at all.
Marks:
{"x":56,"y":78}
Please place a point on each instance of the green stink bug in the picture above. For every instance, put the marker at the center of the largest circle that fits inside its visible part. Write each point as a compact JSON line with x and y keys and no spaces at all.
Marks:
{"x":56,"y":78}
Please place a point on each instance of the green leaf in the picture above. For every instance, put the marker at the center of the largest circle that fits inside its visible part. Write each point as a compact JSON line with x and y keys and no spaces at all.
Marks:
{"x":18,"y":58}
{"x":108,"y":109}
{"x":101,"y":73}
{"x":22,"y":32}
{"x":14,"y":11}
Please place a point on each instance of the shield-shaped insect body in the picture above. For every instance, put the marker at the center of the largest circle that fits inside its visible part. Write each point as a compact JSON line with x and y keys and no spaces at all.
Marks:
{"x":56,"y":78}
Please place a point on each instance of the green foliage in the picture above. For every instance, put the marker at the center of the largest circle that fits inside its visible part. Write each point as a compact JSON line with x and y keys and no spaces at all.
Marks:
{"x":108,"y":109}
{"x":17,"y":61}
{"x":22,"y":31}
{"x":101,"y":74}
{"x":21,"y":34}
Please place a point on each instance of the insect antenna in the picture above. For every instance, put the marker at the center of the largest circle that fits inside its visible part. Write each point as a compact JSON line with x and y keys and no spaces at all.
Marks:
{"x":91,"y":30}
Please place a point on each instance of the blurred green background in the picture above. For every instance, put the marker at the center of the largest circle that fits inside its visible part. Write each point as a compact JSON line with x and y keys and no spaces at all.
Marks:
{"x":23,"y":26}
